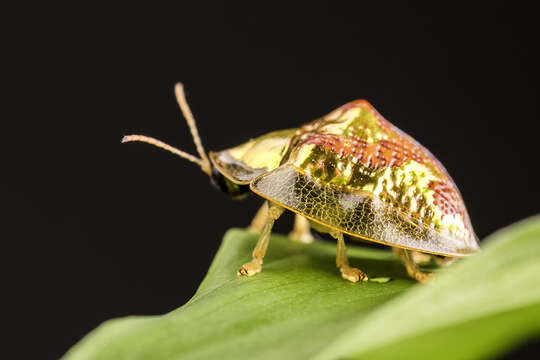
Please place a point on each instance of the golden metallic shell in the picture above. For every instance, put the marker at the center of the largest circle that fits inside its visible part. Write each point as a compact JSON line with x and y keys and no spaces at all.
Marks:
{"x":355,"y":172}
{"x":245,"y":162}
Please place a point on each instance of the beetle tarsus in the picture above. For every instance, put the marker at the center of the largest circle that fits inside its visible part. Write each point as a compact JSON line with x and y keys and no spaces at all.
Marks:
{"x":422,"y":277}
{"x":304,"y":237}
{"x":250,"y":268}
{"x":301,"y":231}
{"x":412,"y":267}
{"x":353,"y":274}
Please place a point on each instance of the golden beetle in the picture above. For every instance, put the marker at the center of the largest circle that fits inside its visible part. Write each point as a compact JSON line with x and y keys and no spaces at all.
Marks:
{"x":349,"y":172}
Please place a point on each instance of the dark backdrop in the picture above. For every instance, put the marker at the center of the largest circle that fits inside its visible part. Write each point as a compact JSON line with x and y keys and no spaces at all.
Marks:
{"x":92,"y":229}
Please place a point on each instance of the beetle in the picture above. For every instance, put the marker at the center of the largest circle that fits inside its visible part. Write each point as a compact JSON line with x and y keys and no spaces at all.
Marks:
{"x":349,"y":172}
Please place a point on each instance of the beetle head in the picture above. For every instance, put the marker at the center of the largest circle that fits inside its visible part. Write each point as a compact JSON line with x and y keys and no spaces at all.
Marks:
{"x":234,"y":190}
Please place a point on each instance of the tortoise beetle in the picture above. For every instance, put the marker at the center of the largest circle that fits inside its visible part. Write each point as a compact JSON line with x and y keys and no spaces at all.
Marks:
{"x":349,"y":172}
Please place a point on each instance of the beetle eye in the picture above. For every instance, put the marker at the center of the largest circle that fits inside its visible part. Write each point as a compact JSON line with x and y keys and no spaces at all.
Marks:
{"x":221,"y":183}
{"x":218,"y":180}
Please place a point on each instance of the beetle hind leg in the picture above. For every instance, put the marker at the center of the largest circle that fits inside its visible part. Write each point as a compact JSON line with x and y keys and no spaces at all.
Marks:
{"x":425,"y":259}
{"x":347,"y":272}
{"x":421,"y":258}
{"x":301,"y":230}
{"x":444,"y":261}
{"x":412,"y":267}
{"x":273,"y":212}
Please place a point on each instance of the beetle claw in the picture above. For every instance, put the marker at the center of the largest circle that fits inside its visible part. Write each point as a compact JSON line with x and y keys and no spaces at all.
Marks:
{"x":250,"y":268}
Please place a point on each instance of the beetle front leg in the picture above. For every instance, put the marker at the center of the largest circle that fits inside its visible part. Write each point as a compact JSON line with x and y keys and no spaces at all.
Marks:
{"x":302,"y":230}
{"x":254,"y":266}
{"x":342,"y":262}
{"x":412,"y":268}
{"x":258,"y":222}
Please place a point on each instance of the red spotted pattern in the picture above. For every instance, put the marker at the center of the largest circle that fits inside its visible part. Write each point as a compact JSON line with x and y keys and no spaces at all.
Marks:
{"x":445,"y":197}
{"x":385,"y":153}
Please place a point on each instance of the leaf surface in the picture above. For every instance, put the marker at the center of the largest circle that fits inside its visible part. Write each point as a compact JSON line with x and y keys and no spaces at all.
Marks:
{"x":300,"y":308}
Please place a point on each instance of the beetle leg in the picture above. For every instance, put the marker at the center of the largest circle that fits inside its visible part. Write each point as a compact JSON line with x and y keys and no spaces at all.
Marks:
{"x":255,"y":265}
{"x":342,"y":262}
{"x":444,"y":260}
{"x":412,"y":268}
{"x":302,"y":230}
{"x":258,"y":222}
{"x":423,"y":259}
{"x":420,"y":257}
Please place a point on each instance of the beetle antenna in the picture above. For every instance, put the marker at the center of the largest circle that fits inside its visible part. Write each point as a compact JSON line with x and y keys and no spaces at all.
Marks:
{"x":188,"y":115}
{"x":161,"y":144}
{"x":203,"y":162}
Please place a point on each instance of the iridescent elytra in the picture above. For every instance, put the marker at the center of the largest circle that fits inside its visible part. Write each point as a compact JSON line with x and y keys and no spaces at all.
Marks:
{"x":349,"y":172}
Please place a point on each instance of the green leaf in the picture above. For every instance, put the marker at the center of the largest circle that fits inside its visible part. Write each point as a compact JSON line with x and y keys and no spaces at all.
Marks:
{"x":300,"y":308}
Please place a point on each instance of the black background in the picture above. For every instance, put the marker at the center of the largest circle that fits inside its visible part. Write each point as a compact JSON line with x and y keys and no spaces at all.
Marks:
{"x":92,"y":229}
